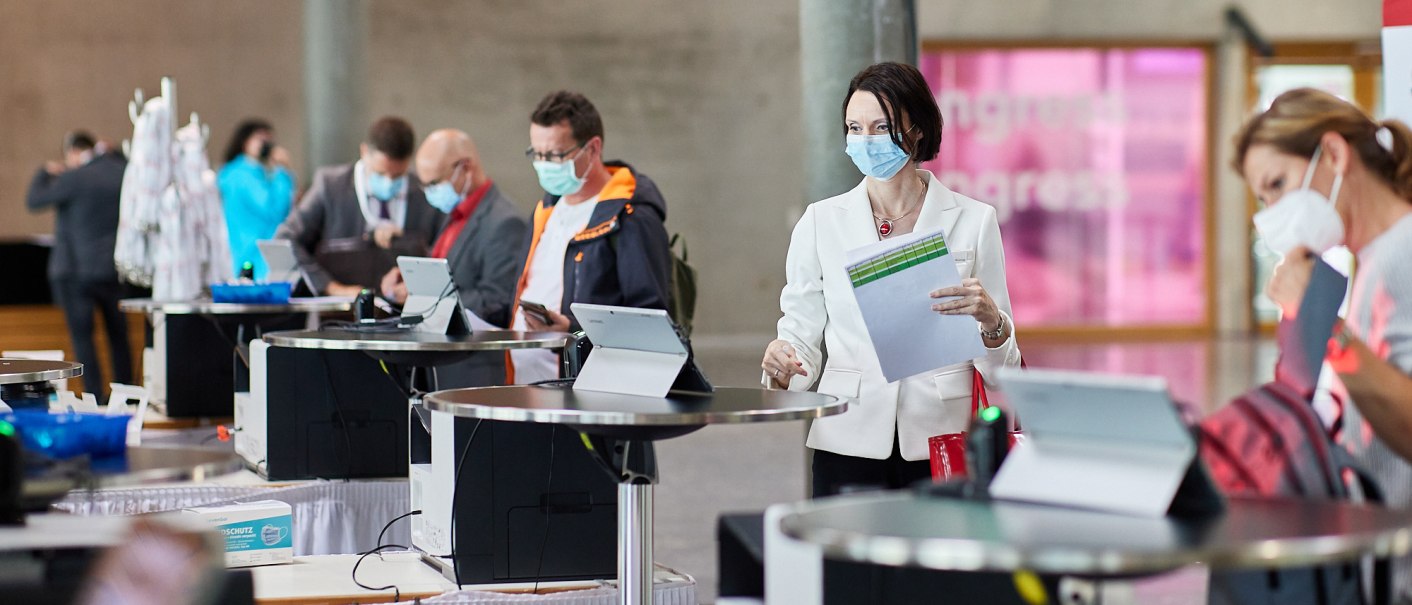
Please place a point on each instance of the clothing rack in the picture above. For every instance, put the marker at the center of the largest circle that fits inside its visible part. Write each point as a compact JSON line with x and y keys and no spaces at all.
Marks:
{"x":168,"y":92}
{"x":172,"y":234}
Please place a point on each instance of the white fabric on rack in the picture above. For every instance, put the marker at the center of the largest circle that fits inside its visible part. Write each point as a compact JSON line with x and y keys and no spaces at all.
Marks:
{"x":330,"y":517}
{"x":193,"y":248}
{"x":171,"y":227}
{"x":145,"y":180}
{"x":197,"y":185}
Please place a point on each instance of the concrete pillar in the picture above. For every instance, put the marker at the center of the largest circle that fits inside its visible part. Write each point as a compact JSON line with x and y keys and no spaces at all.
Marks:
{"x":335,"y":78}
{"x":1232,"y":264}
{"x":837,"y":38}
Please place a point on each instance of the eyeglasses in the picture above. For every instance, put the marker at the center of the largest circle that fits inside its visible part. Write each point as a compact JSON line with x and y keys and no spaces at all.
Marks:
{"x":551,"y":156}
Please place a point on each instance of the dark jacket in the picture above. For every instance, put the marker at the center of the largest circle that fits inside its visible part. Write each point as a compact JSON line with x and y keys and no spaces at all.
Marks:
{"x":86,"y":202}
{"x":485,"y":262}
{"x":331,"y":210}
{"x":621,"y":258}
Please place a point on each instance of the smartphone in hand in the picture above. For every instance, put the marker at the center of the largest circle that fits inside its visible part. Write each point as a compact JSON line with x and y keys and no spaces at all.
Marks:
{"x":539,"y":312}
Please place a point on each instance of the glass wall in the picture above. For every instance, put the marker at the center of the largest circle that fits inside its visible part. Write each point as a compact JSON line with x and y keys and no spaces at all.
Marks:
{"x":1096,"y":162}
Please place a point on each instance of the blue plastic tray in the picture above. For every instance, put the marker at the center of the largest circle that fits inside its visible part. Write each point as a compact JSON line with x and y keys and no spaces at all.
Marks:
{"x":269,"y":293}
{"x":69,"y":434}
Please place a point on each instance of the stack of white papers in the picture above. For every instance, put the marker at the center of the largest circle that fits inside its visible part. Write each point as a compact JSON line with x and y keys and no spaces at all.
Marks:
{"x":893,"y":281}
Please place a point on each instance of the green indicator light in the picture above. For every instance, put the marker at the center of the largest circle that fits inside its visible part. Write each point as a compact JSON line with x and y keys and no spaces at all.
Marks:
{"x":990,"y":414}
{"x":7,"y":429}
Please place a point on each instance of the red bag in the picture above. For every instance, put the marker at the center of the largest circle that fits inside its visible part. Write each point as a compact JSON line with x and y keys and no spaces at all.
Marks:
{"x":948,"y":451}
{"x":1269,"y":443}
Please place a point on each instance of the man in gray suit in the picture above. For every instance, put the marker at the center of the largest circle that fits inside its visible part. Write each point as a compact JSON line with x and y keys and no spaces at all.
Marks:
{"x":481,"y":242}
{"x":357,"y":218}
{"x":84,"y":192}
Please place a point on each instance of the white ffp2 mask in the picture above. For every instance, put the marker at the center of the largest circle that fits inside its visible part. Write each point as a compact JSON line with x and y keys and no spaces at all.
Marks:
{"x":1303,"y":217}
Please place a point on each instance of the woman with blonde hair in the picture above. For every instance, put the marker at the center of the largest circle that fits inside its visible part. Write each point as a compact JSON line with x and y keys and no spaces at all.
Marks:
{"x":1328,"y":174}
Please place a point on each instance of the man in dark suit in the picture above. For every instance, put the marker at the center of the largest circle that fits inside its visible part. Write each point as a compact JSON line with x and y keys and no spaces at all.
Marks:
{"x":84,"y":191}
{"x":357,"y":218}
{"x":481,"y":242}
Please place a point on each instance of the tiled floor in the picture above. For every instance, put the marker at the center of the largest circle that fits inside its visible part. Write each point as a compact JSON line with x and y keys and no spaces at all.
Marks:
{"x":745,"y":468}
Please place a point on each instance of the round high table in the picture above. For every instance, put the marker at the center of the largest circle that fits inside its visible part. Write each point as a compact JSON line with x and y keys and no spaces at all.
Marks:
{"x":51,"y":538}
{"x":907,"y":530}
{"x":22,"y":379}
{"x":141,"y":465}
{"x":628,"y":424}
{"x":416,"y":348}
{"x":146,"y":465}
{"x":199,"y":336}
{"x":25,"y":371}
{"x":322,"y":304}
{"x":419,"y":351}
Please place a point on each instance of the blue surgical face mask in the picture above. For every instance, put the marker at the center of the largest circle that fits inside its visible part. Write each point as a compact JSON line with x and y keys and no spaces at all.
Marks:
{"x":876,"y":155}
{"x":443,"y":196}
{"x":558,"y":178}
{"x":384,"y":187}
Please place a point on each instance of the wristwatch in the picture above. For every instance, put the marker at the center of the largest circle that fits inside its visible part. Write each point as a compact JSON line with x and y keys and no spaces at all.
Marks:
{"x":1341,"y":338}
{"x":997,"y":332}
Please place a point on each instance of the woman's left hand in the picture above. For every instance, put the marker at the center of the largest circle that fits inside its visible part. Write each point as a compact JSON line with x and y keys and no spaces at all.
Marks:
{"x":972,"y":300}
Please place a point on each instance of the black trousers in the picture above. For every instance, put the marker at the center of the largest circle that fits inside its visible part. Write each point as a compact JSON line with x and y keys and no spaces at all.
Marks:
{"x":79,"y":300}
{"x":836,"y":473}
{"x":848,"y":583}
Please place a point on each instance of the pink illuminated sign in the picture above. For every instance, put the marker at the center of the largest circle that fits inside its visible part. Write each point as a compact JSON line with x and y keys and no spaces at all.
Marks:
{"x":1096,"y":162}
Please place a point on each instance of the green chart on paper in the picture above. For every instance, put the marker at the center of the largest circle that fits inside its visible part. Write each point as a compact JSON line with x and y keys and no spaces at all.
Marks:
{"x":899,"y":260}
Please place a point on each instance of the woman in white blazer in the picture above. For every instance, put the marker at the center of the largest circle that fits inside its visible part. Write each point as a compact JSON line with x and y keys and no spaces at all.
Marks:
{"x":892,"y":123}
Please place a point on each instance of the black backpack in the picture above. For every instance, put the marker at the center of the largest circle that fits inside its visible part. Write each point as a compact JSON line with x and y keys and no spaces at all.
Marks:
{"x":681,"y":294}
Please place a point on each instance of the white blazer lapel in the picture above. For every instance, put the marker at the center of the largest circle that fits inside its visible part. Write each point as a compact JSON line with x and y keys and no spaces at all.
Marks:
{"x":855,"y":219}
{"x":939,"y":211}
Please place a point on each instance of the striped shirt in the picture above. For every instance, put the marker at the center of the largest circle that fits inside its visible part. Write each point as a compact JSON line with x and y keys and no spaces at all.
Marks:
{"x":1380,"y":314}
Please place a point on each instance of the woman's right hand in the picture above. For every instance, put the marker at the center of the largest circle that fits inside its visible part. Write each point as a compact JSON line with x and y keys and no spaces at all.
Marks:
{"x":1290,"y":279}
{"x":781,"y":364}
{"x":279,"y":156}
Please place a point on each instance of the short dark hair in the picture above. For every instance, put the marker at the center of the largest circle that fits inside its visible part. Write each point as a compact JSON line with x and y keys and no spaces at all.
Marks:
{"x":79,"y":140}
{"x":246,"y":129}
{"x":562,"y":105}
{"x":902,"y":91}
{"x":393,"y":136}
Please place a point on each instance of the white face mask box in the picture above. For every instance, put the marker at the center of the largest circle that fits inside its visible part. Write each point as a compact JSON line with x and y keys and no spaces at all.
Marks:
{"x":256,"y":533}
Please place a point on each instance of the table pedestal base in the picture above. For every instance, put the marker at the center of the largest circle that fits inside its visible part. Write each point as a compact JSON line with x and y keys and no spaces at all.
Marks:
{"x":635,"y":543}
{"x":633,"y":464}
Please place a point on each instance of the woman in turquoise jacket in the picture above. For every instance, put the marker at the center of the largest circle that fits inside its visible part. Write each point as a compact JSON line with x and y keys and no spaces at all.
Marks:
{"x":257,"y":190}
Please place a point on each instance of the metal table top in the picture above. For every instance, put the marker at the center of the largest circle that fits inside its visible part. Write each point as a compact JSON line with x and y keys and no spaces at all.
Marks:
{"x":403,"y":340}
{"x":46,"y":531}
{"x":563,"y":405}
{"x":24,"y":371}
{"x":321,"y":304}
{"x":142,"y":465}
{"x":900,"y":529}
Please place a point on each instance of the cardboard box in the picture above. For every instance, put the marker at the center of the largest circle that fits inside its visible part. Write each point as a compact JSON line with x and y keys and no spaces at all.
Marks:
{"x":256,"y":533}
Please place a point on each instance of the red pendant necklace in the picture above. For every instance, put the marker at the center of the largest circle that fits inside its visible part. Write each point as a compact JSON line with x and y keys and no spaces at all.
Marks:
{"x":885,"y":224}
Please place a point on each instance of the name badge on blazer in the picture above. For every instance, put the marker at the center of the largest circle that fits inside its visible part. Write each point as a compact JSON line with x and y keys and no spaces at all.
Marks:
{"x":965,"y":260}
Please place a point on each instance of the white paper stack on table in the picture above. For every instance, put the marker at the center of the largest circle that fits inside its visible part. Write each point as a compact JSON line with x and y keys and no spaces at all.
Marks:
{"x":893,"y":281}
